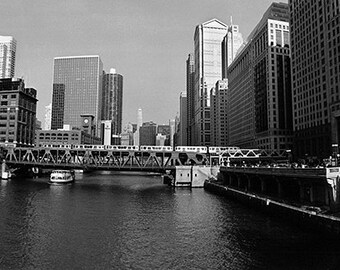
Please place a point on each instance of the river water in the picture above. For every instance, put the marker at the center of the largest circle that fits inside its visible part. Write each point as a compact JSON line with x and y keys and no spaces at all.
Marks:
{"x":129,"y":221}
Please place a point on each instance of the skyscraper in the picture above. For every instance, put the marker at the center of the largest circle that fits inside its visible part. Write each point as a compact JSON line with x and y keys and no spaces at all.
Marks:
{"x":190,"y":77}
{"x":231,"y":43}
{"x":259,"y":96}
{"x":315,"y":76}
{"x":112,"y":105}
{"x":7,"y":56}
{"x":219,"y":122}
{"x":208,"y":69}
{"x":183,"y":124}
{"x":77,"y":90}
{"x":139,"y":124}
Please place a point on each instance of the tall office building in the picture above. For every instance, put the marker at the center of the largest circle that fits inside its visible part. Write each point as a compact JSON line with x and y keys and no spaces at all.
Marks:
{"x":315,"y":52}
{"x":259,"y":98}
{"x":18,"y":109}
{"x":231,"y":43}
{"x":77,"y":90}
{"x":7,"y":56}
{"x":136,"y":135}
{"x":190,"y":77}
{"x":147,"y":133}
{"x":112,"y":105}
{"x":183,"y":124}
{"x":208,"y":69}
{"x":219,"y":122}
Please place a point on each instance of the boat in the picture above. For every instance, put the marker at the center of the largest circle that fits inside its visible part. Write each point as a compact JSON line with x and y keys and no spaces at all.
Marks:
{"x":62,"y":176}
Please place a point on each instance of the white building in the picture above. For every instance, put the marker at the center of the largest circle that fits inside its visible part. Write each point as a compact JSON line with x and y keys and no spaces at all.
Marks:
{"x":7,"y":56}
{"x":208,"y":69}
{"x":48,"y":115}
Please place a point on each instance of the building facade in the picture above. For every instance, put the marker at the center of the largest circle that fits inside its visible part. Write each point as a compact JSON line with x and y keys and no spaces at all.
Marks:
{"x":183,"y":123}
{"x":260,"y":94}
{"x":58,"y":137}
{"x":7,"y":56}
{"x":112,"y":105}
{"x":219,"y":121}
{"x":231,"y":43}
{"x":47,"y":117}
{"x":17,"y":112}
{"x":147,"y":133}
{"x":315,"y":48}
{"x":77,"y":90}
{"x":190,"y":82}
{"x":208,"y":69}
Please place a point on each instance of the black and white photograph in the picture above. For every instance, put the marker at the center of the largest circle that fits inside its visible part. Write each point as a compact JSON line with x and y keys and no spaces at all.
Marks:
{"x":170,"y":134}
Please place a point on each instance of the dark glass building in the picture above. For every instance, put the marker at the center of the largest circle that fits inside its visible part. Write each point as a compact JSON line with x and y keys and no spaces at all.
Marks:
{"x":112,"y":105}
{"x":77,"y":90}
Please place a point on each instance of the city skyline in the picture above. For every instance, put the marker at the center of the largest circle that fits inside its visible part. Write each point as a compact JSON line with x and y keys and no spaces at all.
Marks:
{"x":148,"y":49}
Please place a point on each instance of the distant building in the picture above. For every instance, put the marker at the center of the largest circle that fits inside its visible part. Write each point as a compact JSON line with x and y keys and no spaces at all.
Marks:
{"x":208,"y":69}
{"x":260,"y":95}
{"x":136,"y":136}
{"x":77,"y":90}
{"x":48,"y":115}
{"x":183,"y":123}
{"x":147,"y":133}
{"x":112,"y":105}
{"x":315,"y":50}
{"x":58,"y":137}
{"x":231,"y":43}
{"x":164,"y":130}
{"x":17,"y":112}
{"x":190,"y":90}
{"x":7,"y":56}
{"x":160,"y":140}
{"x":219,"y":121}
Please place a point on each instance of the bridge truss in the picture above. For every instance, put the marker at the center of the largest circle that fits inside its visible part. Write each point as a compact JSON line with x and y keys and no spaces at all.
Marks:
{"x":99,"y":159}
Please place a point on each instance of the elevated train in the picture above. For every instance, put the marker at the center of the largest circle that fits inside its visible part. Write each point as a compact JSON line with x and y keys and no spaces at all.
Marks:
{"x":145,"y":148}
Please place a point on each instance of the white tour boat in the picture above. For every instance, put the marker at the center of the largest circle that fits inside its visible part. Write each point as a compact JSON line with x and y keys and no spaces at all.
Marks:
{"x":62,"y":176}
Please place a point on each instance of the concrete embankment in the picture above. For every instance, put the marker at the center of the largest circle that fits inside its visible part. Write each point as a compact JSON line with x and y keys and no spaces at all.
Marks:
{"x":307,"y":217}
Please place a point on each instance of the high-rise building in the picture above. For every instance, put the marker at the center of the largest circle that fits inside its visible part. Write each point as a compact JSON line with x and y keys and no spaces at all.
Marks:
{"x":48,"y":115}
{"x":136,"y":136}
{"x":147,"y":133}
{"x":231,"y":43}
{"x":77,"y":90}
{"x":7,"y":56}
{"x":315,"y":50}
{"x":259,"y":96}
{"x":208,"y":69}
{"x":17,"y":112}
{"x":190,"y":77}
{"x":112,"y":105}
{"x":219,"y":122}
{"x":183,"y":124}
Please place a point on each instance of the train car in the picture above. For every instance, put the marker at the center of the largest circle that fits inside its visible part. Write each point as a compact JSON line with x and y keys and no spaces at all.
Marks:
{"x":88,"y":146}
{"x":56,"y":146}
{"x":220,"y":149}
{"x":122,"y":147}
{"x":192,"y":149}
{"x":156,"y":148}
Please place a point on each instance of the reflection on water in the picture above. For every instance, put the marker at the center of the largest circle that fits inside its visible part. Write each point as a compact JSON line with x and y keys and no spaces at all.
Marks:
{"x":130,"y":221}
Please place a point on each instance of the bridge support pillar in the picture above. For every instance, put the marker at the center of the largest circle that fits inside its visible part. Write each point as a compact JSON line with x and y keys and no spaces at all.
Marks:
{"x":279,"y":187}
{"x":263,"y":186}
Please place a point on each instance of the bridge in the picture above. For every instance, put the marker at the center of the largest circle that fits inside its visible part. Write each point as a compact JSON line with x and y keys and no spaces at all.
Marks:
{"x":99,"y":159}
{"x":118,"y":159}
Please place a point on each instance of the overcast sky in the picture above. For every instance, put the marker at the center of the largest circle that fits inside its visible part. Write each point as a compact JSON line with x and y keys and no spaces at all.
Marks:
{"x":147,"y":41}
